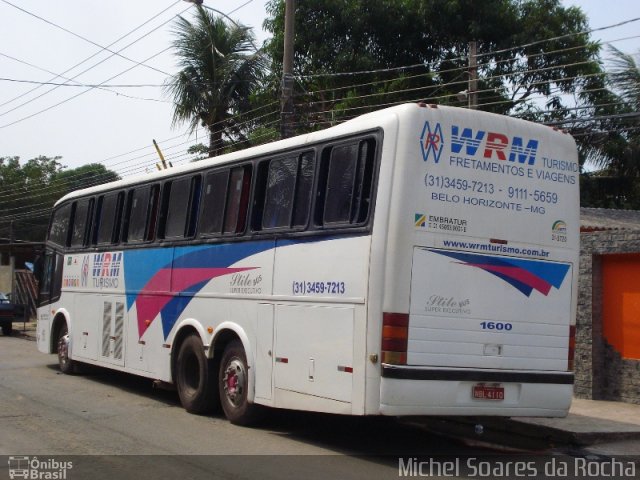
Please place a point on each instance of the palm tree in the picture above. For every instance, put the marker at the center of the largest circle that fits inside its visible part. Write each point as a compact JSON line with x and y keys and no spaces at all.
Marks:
{"x":614,"y":146}
{"x":624,"y":81}
{"x":625,"y":77}
{"x":219,"y":70}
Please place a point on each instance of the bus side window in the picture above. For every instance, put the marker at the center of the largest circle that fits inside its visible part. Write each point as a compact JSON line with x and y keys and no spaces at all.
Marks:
{"x":80,"y":224}
{"x":345,"y":193}
{"x":152,"y":219}
{"x":364,"y":182}
{"x":107,"y":218}
{"x":143,"y":210}
{"x":304,"y":188}
{"x":280,"y":190}
{"x":59,"y":230}
{"x":283,"y":192}
{"x":214,"y":194}
{"x":237,"y":199}
{"x":181,"y":207}
{"x":194,"y":205}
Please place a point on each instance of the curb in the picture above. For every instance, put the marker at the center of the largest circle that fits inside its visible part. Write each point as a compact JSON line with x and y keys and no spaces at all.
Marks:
{"x":516,"y":434}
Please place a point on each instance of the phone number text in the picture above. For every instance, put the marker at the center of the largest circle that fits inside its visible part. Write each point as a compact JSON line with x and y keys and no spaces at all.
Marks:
{"x":329,"y":288}
{"x":462,"y":184}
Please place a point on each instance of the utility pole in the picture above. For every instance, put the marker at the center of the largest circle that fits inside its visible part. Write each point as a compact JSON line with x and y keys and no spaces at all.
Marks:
{"x":473,"y":75}
{"x":286,"y":104}
{"x":12,"y":262}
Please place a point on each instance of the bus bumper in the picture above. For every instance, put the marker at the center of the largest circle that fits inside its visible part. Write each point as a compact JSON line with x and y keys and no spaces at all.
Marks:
{"x":420,"y":391}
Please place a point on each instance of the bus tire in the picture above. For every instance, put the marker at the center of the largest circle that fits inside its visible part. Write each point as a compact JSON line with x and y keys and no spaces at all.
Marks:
{"x":67,"y":366}
{"x":233,"y":386}
{"x":195,"y":377}
{"x":7,"y":329}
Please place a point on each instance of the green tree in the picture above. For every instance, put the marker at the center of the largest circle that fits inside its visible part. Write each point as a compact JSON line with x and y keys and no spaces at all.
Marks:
{"x":219,"y":70}
{"x":515,"y":67}
{"x":28,"y":192}
{"x":614,"y":141}
{"x":85,"y":176}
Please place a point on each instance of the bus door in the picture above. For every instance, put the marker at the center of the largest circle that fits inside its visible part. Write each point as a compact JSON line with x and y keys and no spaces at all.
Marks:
{"x":49,"y":276}
{"x":48,"y":272}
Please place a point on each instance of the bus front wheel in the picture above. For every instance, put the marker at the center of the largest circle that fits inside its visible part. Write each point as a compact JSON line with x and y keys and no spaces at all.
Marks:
{"x":66,"y":365}
{"x":194,"y":372}
{"x":233,"y":386}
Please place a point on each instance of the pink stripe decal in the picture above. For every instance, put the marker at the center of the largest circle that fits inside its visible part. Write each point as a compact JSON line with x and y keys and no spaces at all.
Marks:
{"x":184,"y":278}
{"x":518,"y":274}
{"x":150,"y":301}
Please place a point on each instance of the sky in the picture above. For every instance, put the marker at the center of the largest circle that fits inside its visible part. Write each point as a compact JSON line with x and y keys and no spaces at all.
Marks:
{"x":115,"y":125}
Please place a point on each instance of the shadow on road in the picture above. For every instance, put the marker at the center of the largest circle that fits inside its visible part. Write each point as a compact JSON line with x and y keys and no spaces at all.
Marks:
{"x":125,"y":381}
{"x":381,"y":439}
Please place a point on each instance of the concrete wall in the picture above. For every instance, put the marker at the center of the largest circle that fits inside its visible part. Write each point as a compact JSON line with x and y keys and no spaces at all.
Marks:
{"x":601,"y":373}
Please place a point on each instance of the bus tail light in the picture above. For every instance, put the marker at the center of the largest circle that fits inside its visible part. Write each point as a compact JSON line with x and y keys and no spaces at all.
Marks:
{"x":572,"y":347}
{"x":395,"y":335}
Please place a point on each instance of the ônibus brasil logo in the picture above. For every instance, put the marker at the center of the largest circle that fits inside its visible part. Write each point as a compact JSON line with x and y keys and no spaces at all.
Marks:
{"x":466,"y":141}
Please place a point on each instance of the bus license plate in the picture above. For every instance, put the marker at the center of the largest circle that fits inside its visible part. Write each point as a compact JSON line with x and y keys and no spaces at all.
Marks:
{"x":488,"y":392}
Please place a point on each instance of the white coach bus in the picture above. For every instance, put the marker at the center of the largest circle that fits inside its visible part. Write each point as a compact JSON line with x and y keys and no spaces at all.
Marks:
{"x":419,"y":260}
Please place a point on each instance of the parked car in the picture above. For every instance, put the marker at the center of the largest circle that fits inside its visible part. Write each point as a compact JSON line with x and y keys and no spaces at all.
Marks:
{"x":8,"y":313}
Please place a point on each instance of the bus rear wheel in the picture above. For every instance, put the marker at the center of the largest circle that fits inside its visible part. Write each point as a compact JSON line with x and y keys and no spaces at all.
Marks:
{"x":195,"y":377}
{"x":233,"y":386}
{"x":66,"y":365}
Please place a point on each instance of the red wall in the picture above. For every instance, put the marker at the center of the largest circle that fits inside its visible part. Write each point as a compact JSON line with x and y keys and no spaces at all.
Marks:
{"x":621,"y":303}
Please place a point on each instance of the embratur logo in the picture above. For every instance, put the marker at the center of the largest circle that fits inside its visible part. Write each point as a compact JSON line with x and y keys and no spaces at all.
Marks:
{"x":559,"y":226}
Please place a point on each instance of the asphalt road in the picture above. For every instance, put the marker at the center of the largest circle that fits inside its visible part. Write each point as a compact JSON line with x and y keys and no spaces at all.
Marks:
{"x":114,"y":425}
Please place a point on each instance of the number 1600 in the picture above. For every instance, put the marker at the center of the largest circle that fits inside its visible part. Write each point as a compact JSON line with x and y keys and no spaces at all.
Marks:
{"x":496,"y":326}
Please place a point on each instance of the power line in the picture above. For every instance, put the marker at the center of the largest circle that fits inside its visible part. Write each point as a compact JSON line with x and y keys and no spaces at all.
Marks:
{"x":464,"y":57}
{"x":78,"y":94}
{"x":438,"y":87}
{"x":86,"y":70}
{"x":90,"y":88}
{"x":97,"y":180}
{"x":84,"y":85}
{"x":92,"y":56}
{"x":600,"y":117}
{"x":78,"y":84}
{"x":82,"y":37}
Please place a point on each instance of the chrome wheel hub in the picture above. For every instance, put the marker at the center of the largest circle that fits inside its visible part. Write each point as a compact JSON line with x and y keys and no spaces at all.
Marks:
{"x":234,"y":382}
{"x":63,"y":349}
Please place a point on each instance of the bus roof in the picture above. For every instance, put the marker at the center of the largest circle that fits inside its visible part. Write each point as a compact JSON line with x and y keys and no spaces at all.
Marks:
{"x":360,"y":123}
